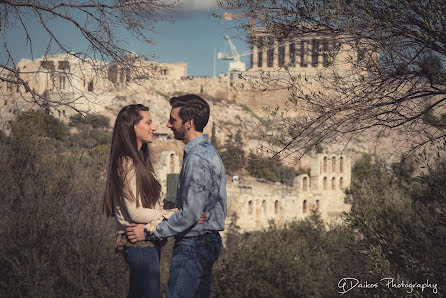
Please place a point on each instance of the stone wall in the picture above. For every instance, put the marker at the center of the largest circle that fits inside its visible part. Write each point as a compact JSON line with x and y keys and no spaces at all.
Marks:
{"x":257,"y":201}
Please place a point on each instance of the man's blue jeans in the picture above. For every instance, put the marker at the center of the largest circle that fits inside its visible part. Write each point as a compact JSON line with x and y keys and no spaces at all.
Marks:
{"x":144,"y":265}
{"x":191,"y":266}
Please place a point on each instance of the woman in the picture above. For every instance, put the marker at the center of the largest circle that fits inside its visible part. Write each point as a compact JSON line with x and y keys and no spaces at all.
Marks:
{"x":132,"y":195}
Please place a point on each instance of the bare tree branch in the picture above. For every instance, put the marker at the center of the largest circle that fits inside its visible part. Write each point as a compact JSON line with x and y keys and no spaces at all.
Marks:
{"x":100,"y":23}
{"x":392,"y":76}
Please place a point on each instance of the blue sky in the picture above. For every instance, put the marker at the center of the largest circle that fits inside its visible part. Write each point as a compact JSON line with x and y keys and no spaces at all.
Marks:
{"x":192,"y":37}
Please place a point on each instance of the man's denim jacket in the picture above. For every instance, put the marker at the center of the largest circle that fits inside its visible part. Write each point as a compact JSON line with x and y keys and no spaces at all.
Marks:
{"x":201,"y":188}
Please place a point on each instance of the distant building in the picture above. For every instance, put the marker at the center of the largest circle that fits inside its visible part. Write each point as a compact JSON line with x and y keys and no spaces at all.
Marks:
{"x":256,"y":201}
{"x":59,"y":73}
{"x":302,"y":53}
{"x":139,"y":68}
{"x":66,"y":80}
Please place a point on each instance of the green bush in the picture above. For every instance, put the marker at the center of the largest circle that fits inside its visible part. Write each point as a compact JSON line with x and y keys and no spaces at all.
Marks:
{"x":303,"y":259}
{"x":266,"y":173}
{"x":270,"y":169}
{"x":401,"y":228}
{"x":394,"y":230}
{"x":55,"y":240}
{"x":92,"y":130}
{"x":40,"y":124}
{"x":93,"y":120}
{"x":233,"y":155}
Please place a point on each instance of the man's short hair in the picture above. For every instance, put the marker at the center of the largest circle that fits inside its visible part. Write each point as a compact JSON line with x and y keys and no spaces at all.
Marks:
{"x":192,"y":107}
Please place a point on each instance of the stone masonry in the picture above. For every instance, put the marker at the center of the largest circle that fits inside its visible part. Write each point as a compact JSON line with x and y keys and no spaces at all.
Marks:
{"x":257,"y":201}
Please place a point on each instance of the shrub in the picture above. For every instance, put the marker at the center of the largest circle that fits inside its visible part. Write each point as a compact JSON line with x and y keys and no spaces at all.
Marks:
{"x":302,"y":259}
{"x":39,"y":124}
{"x":233,"y":156}
{"x":93,"y":120}
{"x":55,"y":240}
{"x":92,"y":130}
{"x":397,"y":224}
{"x":270,"y":169}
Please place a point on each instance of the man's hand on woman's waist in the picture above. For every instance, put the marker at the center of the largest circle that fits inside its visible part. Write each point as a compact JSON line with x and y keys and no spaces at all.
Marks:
{"x":137,"y":232}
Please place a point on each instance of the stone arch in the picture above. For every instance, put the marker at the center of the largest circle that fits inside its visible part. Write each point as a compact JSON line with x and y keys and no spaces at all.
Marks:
{"x":341,"y":165}
{"x":325,"y":164}
{"x":264,"y":207}
{"x":333,"y":183}
{"x":305,"y":184}
{"x":90,"y":86}
{"x":325,"y":183}
{"x":333,"y":164}
{"x":250,"y":207}
{"x":318,"y":203}
{"x":276,"y":207}
{"x":258,"y":210}
{"x":304,"y":206}
{"x":172,"y":163}
{"x":341,"y":183}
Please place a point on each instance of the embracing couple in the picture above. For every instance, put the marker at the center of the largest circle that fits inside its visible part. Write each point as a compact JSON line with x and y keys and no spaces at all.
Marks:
{"x":132,"y":196}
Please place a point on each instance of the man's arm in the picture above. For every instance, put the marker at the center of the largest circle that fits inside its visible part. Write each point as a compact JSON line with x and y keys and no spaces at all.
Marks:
{"x":195,"y":190}
{"x":196,"y":182}
{"x":135,"y":232}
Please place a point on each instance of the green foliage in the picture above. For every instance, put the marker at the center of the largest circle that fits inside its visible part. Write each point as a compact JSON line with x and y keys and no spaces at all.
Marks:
{"x":55,"y":239}
{"x":302,"y":259}
{"x":233,"y":155}
{"x":92,"y":130}
{"x":166,"y":257}
{"x":394,"y":231}
{"x":270,"y":169}
{"x":233,"y":236}
{"x":397,"y":224}
{"x":266,"y":173}
{"x":56,"y":242}
{"x":166,"y":96}
{"x":403,"y":170}
{"x":319,"y":148}
{"x":229,"y":124}
{"x":364,"y":168}
{"x":92,"y":120}
{"x":435,"y":121}
{"x":40,"y":124}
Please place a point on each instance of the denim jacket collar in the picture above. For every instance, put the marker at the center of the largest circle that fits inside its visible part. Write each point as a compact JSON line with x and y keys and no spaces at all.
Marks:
{"x":194,"y":142}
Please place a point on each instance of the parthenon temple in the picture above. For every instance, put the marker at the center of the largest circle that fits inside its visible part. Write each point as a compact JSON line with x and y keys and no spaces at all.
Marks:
{"x":303,"y":53}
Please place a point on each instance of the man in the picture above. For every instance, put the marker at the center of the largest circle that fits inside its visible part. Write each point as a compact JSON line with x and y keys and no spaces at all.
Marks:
{"x":201,"y":188}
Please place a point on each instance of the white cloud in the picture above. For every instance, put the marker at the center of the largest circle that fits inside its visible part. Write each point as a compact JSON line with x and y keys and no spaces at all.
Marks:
{"x":198,"y":5}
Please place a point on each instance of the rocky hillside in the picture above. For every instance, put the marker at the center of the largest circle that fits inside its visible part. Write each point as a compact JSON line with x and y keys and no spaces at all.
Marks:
{"x":227,"y":118}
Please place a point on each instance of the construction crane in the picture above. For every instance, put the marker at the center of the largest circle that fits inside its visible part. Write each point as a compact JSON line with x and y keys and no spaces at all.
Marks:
{"x":236,"y":65}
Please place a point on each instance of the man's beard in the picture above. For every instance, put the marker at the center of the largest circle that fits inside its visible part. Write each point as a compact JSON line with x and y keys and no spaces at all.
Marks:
{"x":179,"y":134}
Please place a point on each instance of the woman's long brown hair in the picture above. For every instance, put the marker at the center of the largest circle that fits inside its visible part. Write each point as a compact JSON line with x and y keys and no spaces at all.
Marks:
{"x":124,"y":147}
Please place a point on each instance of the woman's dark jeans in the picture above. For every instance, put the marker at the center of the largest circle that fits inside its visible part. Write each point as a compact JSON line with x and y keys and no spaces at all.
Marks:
{"x":144,"y":265}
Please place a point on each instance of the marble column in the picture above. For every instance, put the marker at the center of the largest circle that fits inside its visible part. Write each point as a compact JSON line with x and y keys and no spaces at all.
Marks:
{"x":264,"y":57}
{"x":276,"y":54}
{"x":287,"y":53}
{"x":255,"y":56}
